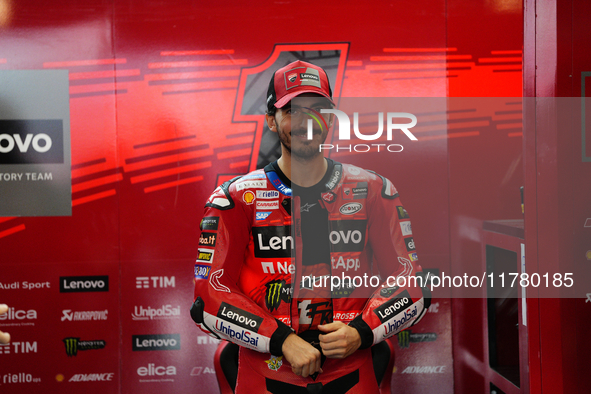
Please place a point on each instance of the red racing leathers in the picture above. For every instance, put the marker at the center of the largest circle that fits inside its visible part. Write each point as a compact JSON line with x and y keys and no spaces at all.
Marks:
{"x":248,"y":274}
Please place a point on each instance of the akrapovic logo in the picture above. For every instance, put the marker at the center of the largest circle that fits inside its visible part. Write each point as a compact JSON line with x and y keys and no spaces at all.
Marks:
{"x":156,"y":342}
{"x":83,"y":284}
{"x":31,"y":141}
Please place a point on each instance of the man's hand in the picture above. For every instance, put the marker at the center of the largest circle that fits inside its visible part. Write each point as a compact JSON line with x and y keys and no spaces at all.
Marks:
{"x":4,"y":336}
{"x":340,"y":340}
{"x":303,"y":357}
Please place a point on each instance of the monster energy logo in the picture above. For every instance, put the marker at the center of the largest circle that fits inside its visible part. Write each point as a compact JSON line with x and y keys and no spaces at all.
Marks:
{"x":277,"y":291}
{"x":406,"y":337}
{"x":73,"y":345}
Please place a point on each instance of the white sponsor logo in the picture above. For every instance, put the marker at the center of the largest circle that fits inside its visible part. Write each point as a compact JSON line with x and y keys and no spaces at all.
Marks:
{"x":19,"y":348}
{"x":155,"y":343}
{"x":145,"y":282}
{"x":23,"y":146}
{"x":251,"y":185}
{"x":406,"y":228}
{"x":267,"y":194}
{"x":26,"y":285}
{"x":92,"y":377}
{"x":354,"y":170}
{"x":204,"y":340}
{"x":345,"y":264}
{"x":276,"y":243}
{"x":14,"y":314}
{"x":350,"y":208}
{"x":153,"y":370}
{"x":19,"y":378}
{"x":354,"y":236}
{"x":214,"y":281}
{"x":149,"y":313}
{"x":286,"y":267}
{"x":434,"y":308}
{"x":267,"y":204}
{"x":238,"y":317}
{"x":421,"y":369}
{"x":196,"y":371}
{"x":84,"y":316}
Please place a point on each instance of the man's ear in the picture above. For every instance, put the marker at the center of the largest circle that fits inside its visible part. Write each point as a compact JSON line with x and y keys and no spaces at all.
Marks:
{"x":271,"y":122}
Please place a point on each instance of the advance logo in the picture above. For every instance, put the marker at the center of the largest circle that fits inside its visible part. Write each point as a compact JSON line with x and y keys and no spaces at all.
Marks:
{"x":83,"y":284}
{"x":156,"y":342}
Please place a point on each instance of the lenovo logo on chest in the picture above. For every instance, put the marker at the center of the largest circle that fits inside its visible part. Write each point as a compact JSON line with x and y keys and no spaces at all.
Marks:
{"x":273,"y":241}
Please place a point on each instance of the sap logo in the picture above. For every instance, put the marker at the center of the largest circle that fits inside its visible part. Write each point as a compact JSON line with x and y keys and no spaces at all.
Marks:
{"x":156,"y":342}
{"x":83,"y":284}
{"x":143,"y":282}
{"x":196,"y":371}
{"x":346,"y":265}
{"x":153,"y":370}
{"x":19,"y":348}
{"x":23,"y":146}
{"x":285,"y":267}
{"x":420,"y":369}
{"x":262,"y":215}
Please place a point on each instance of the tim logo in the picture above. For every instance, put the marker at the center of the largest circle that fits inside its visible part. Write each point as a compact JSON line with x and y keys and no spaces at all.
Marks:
{"x":31,"y":141}
{"x":154,"y":282}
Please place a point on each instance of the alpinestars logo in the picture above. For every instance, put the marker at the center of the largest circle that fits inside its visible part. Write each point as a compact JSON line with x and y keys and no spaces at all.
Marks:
{"x":74,"y":345}
{"x":277,"y":291}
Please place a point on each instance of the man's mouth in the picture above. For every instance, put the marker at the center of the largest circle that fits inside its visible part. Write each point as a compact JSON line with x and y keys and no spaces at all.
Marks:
{"x":303,"y":133}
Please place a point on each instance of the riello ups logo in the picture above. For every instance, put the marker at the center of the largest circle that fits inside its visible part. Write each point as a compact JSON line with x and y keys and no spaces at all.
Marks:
{"x":31,"y":141}
{"x":83,"y":284}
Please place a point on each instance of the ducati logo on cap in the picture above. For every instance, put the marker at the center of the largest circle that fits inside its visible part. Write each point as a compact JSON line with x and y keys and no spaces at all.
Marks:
{"x":292,"y":77}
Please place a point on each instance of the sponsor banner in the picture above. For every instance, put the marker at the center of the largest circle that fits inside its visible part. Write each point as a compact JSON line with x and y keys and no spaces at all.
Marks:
{"x":18,"y":317}
{"x":267,"y":194}
{"x":410,"y":244}
{"x":196,"y":371}
{"x":75,"y":345}
{"x":239,"y":317}
{"x":35,"y":162}
{"x":262,"y":215}
{"x":248,"y":197}
{"x":83,"y":284}
{"x":21,"y":377}
{"x":92,"y":377}
{"x":202,"y":271}
{"x":242,"y":336}
{"x":154,"y":282}
{"x":153,"y":370}
{"x":209,"y":223}
{"x":19,"y":347}
{"x":68,"y":315}
{"x":156,"y":342}
{"x":393,"y":307}
{"x":207,"y":239}
{"x":272,"y":241}
{"x":205,"y":255}
{"x":347,"y":235}
{"x":406,"y":228}
{"x":148,"y":313}
{"x":267,"y":204}
{"x":406,"y":337}
{"x":424,"y":369}
{"x":262,"y":184}
{"x":24,"y":285}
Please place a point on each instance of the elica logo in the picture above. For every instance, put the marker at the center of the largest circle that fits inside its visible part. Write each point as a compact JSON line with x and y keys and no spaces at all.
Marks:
{"x":31,"y":141}
{"x":156,"y":342}
{"x":153,"y":370}
{"x":83,"y":284}
{"x":344,"y":133}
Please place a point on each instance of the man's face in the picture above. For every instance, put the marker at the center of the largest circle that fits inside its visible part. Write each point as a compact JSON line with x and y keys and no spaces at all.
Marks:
{"x":291,"y":125}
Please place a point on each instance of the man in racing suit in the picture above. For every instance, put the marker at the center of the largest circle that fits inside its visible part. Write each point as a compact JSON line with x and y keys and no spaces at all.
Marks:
{"x":278,"y":244}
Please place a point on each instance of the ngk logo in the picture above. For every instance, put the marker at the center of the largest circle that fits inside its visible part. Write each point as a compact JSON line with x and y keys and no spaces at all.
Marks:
{"x":154,"y":282}
{"x":19,"y":348}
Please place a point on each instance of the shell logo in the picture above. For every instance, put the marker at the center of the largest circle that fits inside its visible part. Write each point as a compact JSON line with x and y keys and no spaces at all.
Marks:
{"x":59,"y":377}
{"x":248,"y":197}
